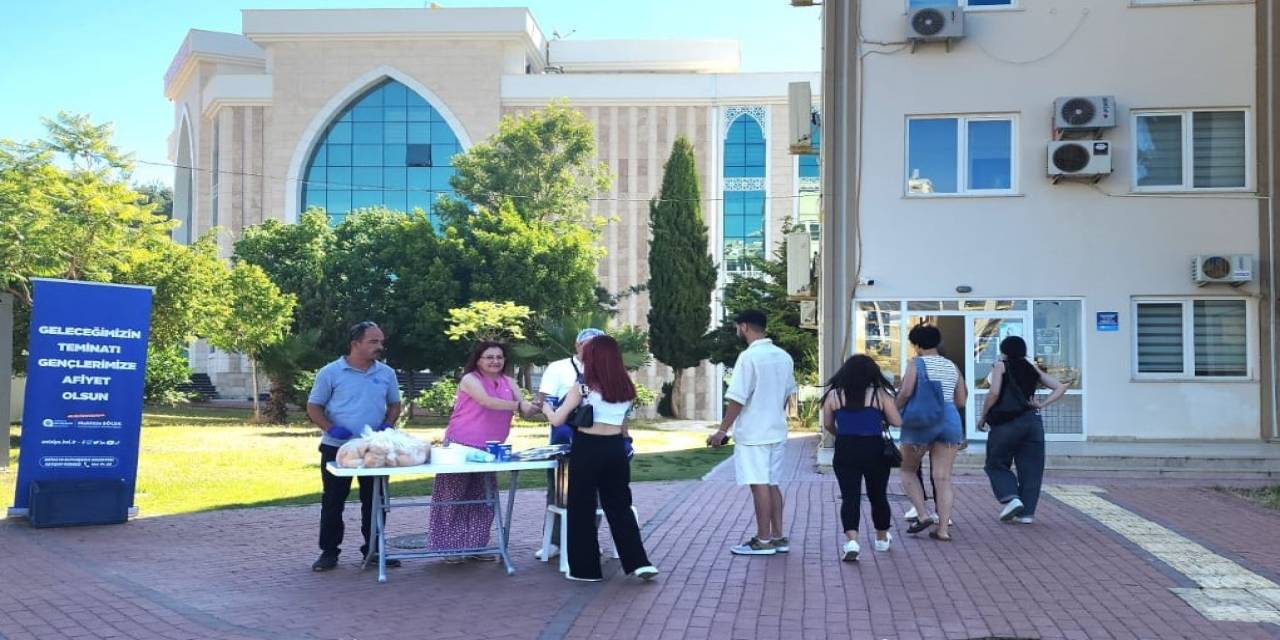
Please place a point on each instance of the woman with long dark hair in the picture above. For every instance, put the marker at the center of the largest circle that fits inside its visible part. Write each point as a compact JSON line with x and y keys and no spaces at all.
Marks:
{"x":599,"y":466}
{"x":487,"y":401}
{"x":1017,"y":439}
{"x":855,"y":407}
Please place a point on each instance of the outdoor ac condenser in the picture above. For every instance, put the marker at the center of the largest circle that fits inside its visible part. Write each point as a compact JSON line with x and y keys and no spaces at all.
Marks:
{"x":799,"y":264}
{"x":1084,"y":112}
{"x":1079,"y":159}
{"x":799,"y":108}
{"x":936,"y":23}
{"x":1234,"y":269}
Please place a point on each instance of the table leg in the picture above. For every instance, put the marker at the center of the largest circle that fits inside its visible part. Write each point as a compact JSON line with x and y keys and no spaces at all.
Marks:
{"x":504,"y":523}
{"x":381,"y":503}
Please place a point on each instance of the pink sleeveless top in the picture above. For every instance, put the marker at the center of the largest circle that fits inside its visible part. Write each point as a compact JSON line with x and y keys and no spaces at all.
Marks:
{"x":472,"y":424}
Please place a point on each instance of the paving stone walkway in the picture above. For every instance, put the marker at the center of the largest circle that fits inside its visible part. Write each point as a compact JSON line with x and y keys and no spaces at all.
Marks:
{"x":1091,"y":567}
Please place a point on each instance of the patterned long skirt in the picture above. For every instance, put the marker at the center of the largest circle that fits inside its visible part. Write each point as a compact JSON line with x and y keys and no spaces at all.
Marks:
{"x":463,"y":526}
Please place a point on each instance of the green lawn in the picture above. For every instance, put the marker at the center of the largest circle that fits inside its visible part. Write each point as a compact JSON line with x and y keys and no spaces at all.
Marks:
{"x":207,"y":459}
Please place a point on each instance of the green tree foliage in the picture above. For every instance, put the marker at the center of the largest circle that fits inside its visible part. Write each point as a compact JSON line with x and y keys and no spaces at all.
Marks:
{"x":767,"y":293}
{"x":81,"y":220}
{"x":157,"y":194}
{"x":541,"y":161}
{"x":549,"y":267}
{"x":555,"y":338}
{"x":294,"y":257}
{"x":681,"y":272}
{"x":284,"y":364}
{"x":488,"y":321}
{"x":258,"y":316}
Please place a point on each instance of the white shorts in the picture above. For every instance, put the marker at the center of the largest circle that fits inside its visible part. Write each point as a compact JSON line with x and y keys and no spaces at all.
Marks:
{"x":758,"y":463}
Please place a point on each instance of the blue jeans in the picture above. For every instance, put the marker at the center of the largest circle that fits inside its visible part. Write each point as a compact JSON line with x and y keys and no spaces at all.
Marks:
{"x":1020,"y":443}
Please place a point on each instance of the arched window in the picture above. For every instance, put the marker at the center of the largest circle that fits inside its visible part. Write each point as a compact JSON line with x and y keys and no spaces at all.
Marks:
{"x":183,"y":186}
{"x":388,"y":148}
{"x":744,"y":193}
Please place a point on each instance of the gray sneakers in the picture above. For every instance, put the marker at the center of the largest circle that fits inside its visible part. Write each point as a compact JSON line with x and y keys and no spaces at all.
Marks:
{"x":754,"y":547}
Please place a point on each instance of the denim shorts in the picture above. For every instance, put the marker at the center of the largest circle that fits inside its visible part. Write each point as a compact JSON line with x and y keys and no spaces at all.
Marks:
{"x":947,"y":430}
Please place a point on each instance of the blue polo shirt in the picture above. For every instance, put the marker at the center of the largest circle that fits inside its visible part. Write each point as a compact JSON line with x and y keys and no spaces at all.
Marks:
{"x":353,"y":398}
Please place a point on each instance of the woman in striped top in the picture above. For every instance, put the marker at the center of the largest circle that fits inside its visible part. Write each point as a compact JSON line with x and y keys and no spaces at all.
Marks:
{"x":941,"y":440}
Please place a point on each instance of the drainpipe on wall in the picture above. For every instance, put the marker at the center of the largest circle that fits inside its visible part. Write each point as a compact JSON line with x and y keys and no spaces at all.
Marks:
{"x":839,"y":210}
{"x":1266,"y":15}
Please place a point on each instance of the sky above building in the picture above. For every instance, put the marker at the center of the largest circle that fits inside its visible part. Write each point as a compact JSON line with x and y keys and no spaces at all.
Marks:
{"x":108,"y":59}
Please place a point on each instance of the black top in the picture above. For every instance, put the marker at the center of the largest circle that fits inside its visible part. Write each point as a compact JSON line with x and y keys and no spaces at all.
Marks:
{"x":1026,"y":375}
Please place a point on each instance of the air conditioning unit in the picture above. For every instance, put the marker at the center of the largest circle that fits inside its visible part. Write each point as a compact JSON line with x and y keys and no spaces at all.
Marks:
{"x":1234,"y":270}
{"x":799,"y":264}
{"x":808,"y":314}
{"x":1075,"y":113}
{"x":800,"y":117}
{"x":932,"y":24}
{"x":1079,"y":159}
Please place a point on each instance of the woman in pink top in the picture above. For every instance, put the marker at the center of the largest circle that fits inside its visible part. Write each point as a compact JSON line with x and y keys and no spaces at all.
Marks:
{"x":487,"y":400}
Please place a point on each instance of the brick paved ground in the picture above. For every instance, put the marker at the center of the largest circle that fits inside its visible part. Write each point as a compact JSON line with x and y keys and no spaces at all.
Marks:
{"x":245,"y":574}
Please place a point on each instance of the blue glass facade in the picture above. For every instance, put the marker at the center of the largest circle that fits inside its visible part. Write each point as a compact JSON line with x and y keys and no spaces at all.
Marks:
{"x":388,"y":148}
{"x":744,"y":200}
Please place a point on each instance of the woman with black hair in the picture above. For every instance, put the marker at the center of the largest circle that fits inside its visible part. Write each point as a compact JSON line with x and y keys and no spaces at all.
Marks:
{"x":941,"y":439}
{"x":1017,"y":439}
{"x":855,"y":407}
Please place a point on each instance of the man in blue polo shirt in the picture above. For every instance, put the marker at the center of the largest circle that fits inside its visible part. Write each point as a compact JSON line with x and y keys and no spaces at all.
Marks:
{"x":350,"y":393}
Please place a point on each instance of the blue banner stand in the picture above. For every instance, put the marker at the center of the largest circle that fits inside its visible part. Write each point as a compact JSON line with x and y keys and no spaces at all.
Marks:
{"x":87,"y":360}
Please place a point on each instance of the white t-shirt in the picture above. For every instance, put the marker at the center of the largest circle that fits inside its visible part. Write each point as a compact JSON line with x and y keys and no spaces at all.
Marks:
{"x":559,"y":378}
{"x":763,"y":379}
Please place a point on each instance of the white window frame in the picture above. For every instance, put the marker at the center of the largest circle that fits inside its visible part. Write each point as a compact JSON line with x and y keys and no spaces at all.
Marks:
{"x":1188,"y":151}
{"x":1014,"y":5}
{"x":1189,"y":340}
{"x":962,"y":155}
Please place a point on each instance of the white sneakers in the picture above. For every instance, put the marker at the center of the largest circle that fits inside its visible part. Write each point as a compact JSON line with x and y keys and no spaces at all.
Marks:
{"x":883,"y":545}
{"x":553,"y":552}
{"x":1011,"y":510}
{"x":646,"y":573}
{"x":851,"y":551}
{"x":1024,"y":519}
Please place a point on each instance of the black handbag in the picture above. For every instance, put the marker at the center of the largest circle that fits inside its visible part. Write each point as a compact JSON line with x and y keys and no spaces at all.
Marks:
{"x":890,"y":453}
{"x":1012,"y":402}
{"x":892,"y":456}
{"x":583,"y":415}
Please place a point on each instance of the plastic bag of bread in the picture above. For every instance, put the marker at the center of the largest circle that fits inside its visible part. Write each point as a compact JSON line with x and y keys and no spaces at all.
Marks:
{"x":386,"y":448}
{"x":351,"y":453}
{"x":410,"y":451}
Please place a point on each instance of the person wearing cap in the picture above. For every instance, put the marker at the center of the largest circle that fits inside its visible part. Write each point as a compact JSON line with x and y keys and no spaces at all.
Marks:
{"x":351,"y":393}
{"x":559,"y":377}
{"x":763,"y":382}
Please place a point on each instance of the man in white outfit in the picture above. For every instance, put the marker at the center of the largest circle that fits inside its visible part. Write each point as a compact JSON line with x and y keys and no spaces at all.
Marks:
{"x":763,"y":382}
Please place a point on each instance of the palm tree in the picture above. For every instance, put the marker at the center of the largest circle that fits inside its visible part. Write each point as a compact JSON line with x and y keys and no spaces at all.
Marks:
{"x":283,"y":363}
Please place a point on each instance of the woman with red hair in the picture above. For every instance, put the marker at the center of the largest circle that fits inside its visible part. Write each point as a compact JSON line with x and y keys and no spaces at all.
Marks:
{"x":599,"y":465}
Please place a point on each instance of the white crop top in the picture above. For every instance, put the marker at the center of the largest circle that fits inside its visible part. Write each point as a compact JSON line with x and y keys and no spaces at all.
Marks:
{"x":614,"y":413}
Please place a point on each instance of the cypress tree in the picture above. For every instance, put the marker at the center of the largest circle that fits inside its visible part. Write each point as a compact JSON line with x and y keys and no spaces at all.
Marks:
{"x":682,"y":275}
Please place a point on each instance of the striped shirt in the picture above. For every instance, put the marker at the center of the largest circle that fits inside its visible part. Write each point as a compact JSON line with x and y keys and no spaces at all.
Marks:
{"x":943,"y":371}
